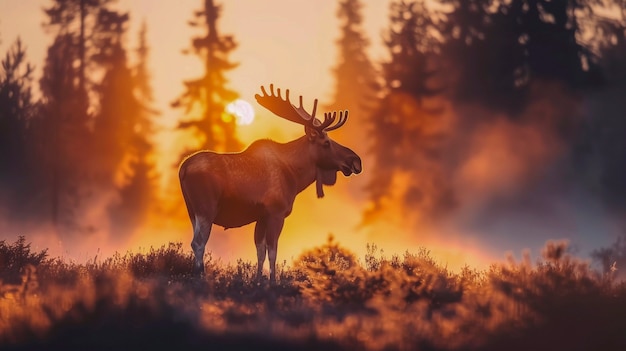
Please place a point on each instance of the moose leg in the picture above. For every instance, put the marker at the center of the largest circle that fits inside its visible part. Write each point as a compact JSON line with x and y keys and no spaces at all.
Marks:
{"x":274,"y":227}
{"x":261,"y":246}
{"x":201,"y":233}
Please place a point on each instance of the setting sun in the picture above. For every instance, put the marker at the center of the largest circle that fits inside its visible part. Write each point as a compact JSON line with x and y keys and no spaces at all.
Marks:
{"x":242,"y":110}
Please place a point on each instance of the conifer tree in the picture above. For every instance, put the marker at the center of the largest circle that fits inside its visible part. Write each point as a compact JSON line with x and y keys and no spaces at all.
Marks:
{"x":499,"y":50}
{"x":355,"y":75}
{"x":138,"y":191}
{"x":118,"y":106}
{"x":65,"y":128}
{"x":483,"y":55}
{"x":205,"y":98}
{"x":553,"y":49}
{"x":62,"y":130}
{"x":604,"y":146}
{"x":17,"y":108}
{"x":405,"y":138}
{"x":76,"y":20}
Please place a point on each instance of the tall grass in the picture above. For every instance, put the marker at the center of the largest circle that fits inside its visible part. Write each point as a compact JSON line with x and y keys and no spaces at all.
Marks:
{"x":327,"y":299}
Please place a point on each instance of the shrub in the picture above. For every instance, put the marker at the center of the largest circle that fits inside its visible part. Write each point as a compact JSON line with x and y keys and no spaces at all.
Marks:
{"x":169,"y":261}
{"x":330,"y":273}
{"x":14,"y":258}
{"x":328,"y":300}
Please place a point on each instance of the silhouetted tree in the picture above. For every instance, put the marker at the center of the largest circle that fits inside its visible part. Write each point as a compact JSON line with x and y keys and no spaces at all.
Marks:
{"x":69,"y":19}
{"x":355,"y":75}
{"x":118,"y":107}
{"x":412,"y":47}
{"x":84,"y":33}
{"x":498,"y":50}
{"x":77,"y":19}
{"x":17,"y":108}
{"x":138,"y":191}
{"x":603,"y":149}
{"x":405,"y":137}
{"x":554,"y":51}
{"x":483,"y":54}
{"x":141,"y":72}
{"x":208,"y":95}
{"x":62,"y":131}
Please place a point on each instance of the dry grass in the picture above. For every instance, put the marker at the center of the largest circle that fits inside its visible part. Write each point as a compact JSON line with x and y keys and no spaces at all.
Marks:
{"x":328,"y":300}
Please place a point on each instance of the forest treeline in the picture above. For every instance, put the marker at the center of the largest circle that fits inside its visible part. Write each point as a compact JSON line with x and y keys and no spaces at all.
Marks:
{"x":89,"y":137}
{"x":89,"y":134}
{"x":452,"y":68}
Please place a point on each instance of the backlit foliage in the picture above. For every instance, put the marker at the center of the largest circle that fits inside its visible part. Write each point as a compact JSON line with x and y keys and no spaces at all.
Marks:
{"x":329,"y":299}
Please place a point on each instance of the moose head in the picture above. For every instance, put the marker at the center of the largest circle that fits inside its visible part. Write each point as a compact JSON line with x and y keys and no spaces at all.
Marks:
{"x":328,"y":155}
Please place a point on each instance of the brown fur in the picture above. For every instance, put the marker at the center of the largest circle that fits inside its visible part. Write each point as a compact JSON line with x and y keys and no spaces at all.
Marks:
{"x":259,"y":185}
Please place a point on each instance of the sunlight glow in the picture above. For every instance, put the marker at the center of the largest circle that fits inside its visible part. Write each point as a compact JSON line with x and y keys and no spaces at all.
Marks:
{"x":242,"y":110}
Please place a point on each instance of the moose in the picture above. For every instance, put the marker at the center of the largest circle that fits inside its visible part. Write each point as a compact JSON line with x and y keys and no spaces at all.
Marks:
{"x":260,"y":184}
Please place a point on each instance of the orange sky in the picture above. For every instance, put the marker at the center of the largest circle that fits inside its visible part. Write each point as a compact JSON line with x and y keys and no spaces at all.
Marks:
{"x":290,"y":43}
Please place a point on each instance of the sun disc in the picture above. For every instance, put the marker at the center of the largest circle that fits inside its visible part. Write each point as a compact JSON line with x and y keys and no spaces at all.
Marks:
{"x":242,"y":110}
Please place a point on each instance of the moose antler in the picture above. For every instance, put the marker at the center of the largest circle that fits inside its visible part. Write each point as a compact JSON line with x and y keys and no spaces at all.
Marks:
{"x":342,"y":120}
{"x":285,"y":109}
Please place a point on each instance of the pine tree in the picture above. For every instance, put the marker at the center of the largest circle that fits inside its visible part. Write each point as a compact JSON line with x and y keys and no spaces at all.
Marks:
{"x":76,"y":20}
{"x":553,"y":49}
{"x":62,"y":131}
{"x":603,"y":148}
{"x":65,"y":128}
{"x":17,"y":108}
{"x":138,"y":191}
{"x":498,"y":51}
{"x":405,"y":136}
{"x":355,"y":75}
{"x":208,"y":95}
{"x":118,"y":107}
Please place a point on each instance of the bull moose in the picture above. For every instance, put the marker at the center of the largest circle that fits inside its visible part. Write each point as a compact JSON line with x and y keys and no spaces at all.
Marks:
{"x":260,"y":183}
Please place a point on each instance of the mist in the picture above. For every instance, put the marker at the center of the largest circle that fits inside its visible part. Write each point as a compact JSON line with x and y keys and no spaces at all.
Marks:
{"x":476,"y":138}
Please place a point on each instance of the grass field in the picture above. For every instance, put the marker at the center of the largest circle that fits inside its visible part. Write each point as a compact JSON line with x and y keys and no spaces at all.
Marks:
{"x":327,"y":299}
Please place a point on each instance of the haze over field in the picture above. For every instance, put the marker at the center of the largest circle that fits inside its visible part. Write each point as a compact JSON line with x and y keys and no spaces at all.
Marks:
{"x":478,"y":136}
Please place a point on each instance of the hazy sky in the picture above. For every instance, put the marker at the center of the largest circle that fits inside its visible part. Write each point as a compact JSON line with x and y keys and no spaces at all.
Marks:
{"x":288,"y":42}
{"x":291,"y":43}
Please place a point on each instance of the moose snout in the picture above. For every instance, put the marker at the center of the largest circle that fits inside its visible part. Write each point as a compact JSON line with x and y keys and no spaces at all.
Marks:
{"x":352,"y":165}
{"x":356,"y":165}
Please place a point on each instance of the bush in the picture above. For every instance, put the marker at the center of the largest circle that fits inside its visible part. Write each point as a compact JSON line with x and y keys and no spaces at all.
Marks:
{"x":331,"y":273}
{"x":328,"y":300}
{"x":169,"y":261}
{"x":14,"y":258}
